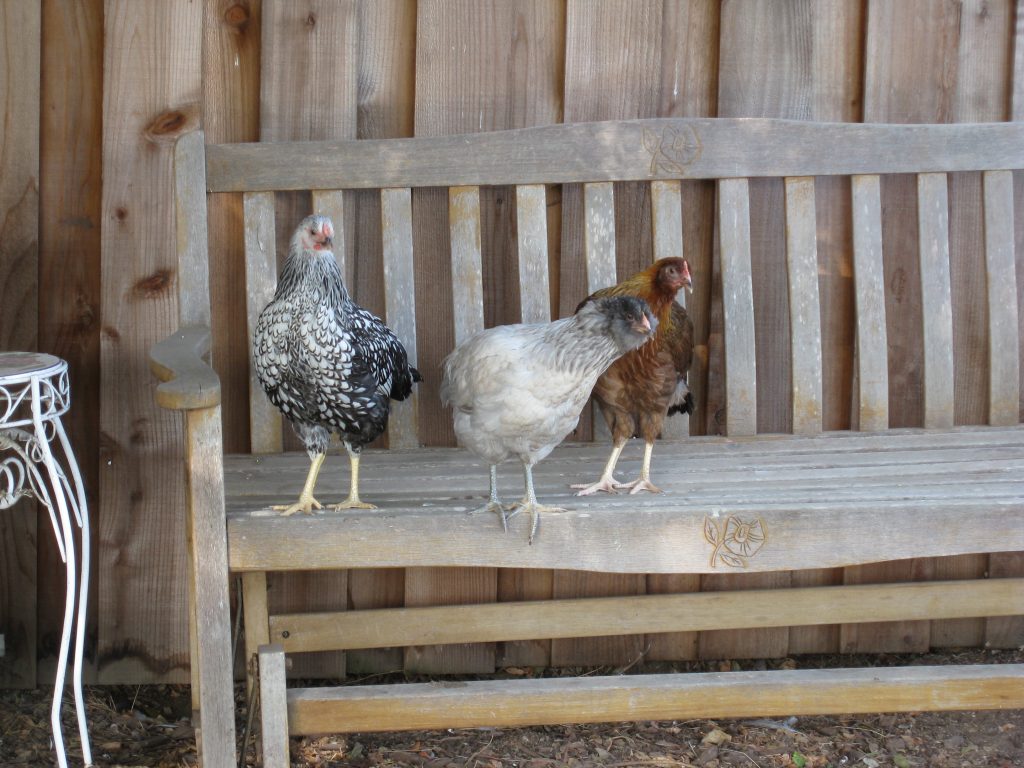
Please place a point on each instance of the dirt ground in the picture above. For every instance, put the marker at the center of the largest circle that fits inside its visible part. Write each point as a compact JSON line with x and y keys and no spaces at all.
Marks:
{"x":149,"y":726}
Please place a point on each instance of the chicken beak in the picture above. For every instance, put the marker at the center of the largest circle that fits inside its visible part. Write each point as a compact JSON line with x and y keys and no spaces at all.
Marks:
{"x":687,"y":278}
{"x":645,"y":324}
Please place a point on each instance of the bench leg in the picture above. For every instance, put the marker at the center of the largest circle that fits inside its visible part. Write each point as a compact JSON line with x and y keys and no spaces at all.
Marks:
{"x":273,"y":707}
{"x":257,"y":620}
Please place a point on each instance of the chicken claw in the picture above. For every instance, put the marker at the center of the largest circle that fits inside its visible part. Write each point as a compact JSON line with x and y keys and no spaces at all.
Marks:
{"x":607,"y":483}
{"x":534,"y":509}
{"x":640,"y":484}
{"x":305,"y":505}
{"x":351,"y":503}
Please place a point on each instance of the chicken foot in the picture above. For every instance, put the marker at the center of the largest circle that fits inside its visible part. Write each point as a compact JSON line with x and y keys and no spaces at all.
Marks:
{"x":607,"y":483}
{"x":642,"y":483}
{"x":529,"y":504}
{"x":353,"y":502}
{"x":494,"y":505}
{"x":306,"y":503}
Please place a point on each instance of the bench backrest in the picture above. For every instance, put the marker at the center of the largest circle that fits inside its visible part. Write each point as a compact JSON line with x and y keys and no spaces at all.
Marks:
{"x":661,"y":152}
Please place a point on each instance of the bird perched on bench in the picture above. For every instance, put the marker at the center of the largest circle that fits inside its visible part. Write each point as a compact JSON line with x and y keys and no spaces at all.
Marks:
{"x":641,"y":388}
{"x":517,"y":390}
{"x":327,"y":363}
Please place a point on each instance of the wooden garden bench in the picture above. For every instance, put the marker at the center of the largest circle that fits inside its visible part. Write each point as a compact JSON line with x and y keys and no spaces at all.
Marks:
{"x":737,"y":503}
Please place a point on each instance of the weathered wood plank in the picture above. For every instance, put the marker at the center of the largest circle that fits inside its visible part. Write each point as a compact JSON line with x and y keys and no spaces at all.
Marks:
{"x":599,"y":235}
{"x":692,"y":612}
{"x":738,"y":307}
{"x":273,"y":707}
{"x":1001,"y":281}
{"x":400,"y":302}
{"x":178,"y":361}
{"x":467,"y":269}
{"x":151,"y":88}
{"x":872,"y":410}
{"x":265,"y":423}
{"x":653,"y":697}
{"x":697,"y":148}
{"x":804,"y":309}
{"x":667,"y":225}
{"x":20,"y":44}
{"x":256,"y":617}
{"x":191,"y":224}
{"x":936,"y":302}
{"x":209,"y":558}
{"x":532,"y":237}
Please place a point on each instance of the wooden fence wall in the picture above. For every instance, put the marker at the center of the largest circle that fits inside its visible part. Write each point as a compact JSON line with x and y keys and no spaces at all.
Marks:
{"x":94,"y":93}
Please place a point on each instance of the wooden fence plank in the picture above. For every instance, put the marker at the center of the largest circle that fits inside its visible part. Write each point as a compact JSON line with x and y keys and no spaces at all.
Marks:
{"x":152,"y":85}
{"x":20,"y":43}
{"x":872,"y":411}
{"x":308,"y":91}
{"x":467,"y":265}
{"x":804,"y":309}
{"x":273,"y":707}
{"x":231,"y":112}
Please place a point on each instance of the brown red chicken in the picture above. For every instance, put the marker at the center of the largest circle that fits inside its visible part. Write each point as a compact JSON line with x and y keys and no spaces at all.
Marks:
{"x":644,"y":386}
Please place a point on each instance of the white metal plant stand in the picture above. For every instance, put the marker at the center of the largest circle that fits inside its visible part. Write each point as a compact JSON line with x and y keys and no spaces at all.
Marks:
{"x":34,"y":394}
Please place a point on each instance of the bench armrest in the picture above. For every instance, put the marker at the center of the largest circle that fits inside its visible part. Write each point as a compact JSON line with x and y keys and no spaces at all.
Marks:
{"x":189,"y":383}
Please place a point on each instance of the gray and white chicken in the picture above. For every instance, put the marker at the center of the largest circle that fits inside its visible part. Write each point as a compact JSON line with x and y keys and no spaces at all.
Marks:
{"x":327,"y":363}
{"x":518,"y":390}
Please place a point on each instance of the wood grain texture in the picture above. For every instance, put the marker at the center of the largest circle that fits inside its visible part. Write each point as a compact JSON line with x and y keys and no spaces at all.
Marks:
{"x":208,"y":565}
{"x":653,"y":697}
{"x":825,"y":502}
{"x":936,"y":303}
{"x":804,"y":308}
{"x":192,"y":234}
{"x":273,"y":707}
{"x":20,"y":43}
{"x":1001,"y":282}
{"x":872,"y":411}
{"x":231,"y":75}
{"x":71,"y":136}
{"x":532,"y":241}
{"x":308,"y":91}
{"x":480,"y":67}
{"x":151,"y":96}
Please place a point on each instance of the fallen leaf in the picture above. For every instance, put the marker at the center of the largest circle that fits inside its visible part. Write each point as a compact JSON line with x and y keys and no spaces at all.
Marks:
{"x":717,"y":736}
{"x":798,"y":760}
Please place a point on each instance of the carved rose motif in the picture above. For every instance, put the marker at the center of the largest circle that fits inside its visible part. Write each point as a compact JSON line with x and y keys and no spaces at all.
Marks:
{"x":673,"y":150}
{"x":734,"y":540}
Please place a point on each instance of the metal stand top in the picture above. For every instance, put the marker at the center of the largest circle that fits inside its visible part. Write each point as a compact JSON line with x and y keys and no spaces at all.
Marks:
{"x":20,"y":374}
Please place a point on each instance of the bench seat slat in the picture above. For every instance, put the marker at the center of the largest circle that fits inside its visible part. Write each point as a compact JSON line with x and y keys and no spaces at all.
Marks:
{"x":265,"y":422}
{"x":491,"y":703}
{"x":1001,"y":277}
{"x":936,"y":299}
{"x":872,"y":407}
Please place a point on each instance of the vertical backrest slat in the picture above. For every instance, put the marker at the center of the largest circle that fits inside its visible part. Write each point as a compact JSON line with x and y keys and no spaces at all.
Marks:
{"x":667,"y":229}
{"x":400,"y":301}
{"x":936,"y":302}
{"x":532,"y":234}
{"x":804,"y":308}
{"x":261,"y":282}
{"x":190,"y":207}
{"x":737,"y":306}
{"x":1001,"y":276}
{"x":599,"y":234}
{"x":869,"y":290}
{"x":331,"y":203}
{"x":467,"y":269}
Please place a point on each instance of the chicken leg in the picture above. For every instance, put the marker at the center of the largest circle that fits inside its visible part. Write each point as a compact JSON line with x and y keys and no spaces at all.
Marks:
{"x":529,"y":504}
{"x":643,"y":483}
{"x":493,"y":504}
{"x":607,"y":483}
{"x":353,"y":502}
{"x":306,"y":503}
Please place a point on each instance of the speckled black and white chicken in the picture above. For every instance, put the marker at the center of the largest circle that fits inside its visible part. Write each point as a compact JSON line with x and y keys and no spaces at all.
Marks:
{"x":327,"y":363}
{"x":518,"y":390}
